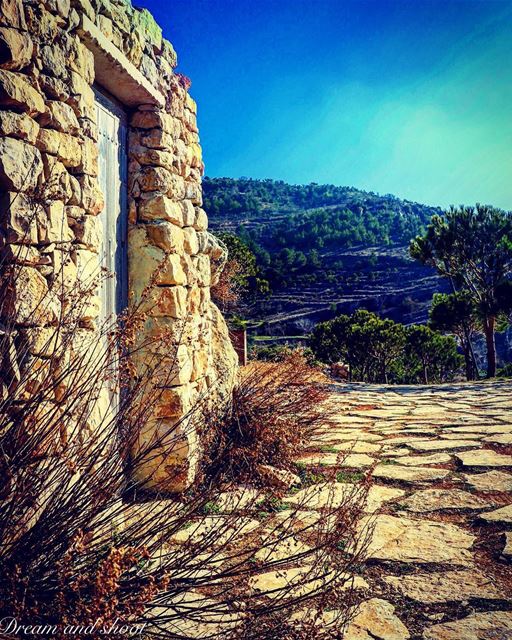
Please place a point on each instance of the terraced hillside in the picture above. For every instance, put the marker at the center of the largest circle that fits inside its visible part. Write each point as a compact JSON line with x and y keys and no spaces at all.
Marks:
{"x":325,"y":249}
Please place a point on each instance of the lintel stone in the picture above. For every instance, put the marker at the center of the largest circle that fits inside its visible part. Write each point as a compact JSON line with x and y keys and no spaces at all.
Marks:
{"x":115,"y":72}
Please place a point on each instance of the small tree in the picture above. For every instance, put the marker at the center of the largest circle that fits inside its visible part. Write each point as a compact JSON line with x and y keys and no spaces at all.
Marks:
{"x":431,"y":354}
{"x":472,"y":247}
{"x":456,"y":313}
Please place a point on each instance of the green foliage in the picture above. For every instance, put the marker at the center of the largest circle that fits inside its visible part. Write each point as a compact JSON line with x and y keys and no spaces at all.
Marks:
{"x":292,"y":227}
{"x":246,"y":274}
{"x":472,"y":247}
{"x":381,"y":350}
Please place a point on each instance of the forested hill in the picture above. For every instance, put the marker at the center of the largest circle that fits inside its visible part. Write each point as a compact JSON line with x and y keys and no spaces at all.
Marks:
{"x":334,"y":213}
{"x":324,"y":248}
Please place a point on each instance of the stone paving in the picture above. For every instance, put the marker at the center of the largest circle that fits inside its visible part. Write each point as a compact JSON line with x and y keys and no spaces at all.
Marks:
{"x":438,"y":563}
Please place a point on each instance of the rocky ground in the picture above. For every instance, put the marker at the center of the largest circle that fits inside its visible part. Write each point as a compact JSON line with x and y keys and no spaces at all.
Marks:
{"x":438,"y":512}
{"x":438,"y":565}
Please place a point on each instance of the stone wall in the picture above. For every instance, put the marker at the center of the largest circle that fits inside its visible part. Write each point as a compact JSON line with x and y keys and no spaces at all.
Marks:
{"x":51,"y":52}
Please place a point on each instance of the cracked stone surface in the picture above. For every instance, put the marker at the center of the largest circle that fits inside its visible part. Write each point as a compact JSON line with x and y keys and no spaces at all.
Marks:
{"x":493,"y":625}
{"x":441,"y":499}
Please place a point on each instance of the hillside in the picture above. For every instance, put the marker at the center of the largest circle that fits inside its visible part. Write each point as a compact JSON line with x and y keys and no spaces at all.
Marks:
{"x":325,"y":249}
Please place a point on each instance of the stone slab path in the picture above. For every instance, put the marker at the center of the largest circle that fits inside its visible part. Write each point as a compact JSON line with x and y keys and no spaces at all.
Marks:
{"x":438,"y":564}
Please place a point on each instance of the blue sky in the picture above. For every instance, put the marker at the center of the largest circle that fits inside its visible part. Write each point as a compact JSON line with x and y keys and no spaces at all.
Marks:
{"x":412,"y":98}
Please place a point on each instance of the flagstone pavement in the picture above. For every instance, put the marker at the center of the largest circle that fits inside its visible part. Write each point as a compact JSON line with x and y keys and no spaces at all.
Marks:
{"x":439,"y":559}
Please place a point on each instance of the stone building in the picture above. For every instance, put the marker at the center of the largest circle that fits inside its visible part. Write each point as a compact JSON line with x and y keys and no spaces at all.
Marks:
{"x":94,"y":118}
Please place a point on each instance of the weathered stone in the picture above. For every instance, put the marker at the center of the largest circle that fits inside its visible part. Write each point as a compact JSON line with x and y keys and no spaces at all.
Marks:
{"x":41,"y":341}
{"x":18,"y":221}
{"x":156,"y":120}
{"x":60,"y":116}
{"x":54,"y":62}
{"x":484,"y":458}
{"x":87,"y":230}
{"x":279,"y":478}
{"x":150,"y":31}
{"x":448,"y":586}
{"x":200,"y":220}
{"x":154,"y":179}
{"x":443,"y":445}
{"x":503,"y":515}
{"x":493,"y":625}
{"x":20,"y":165}
{"x":417,"y":541}
{"x":18,"y":125}
{"x":57,"y":228}
{"x":174,"y":402}
{"x":92,"y":199}
{"x":11,"y":14}
{"x":88,"y":158}
{"x":507,"y":549}
{"x":166,"y":301}
{"x":441,"y":499}
{"x":146,"y":261}
{"x":16,"y":92}
{"x":435,"y":458}
{"x":166,"y":236}
{"x":57,"y":181}
{"x":402,"y":473}
{"x":16,"y":48}
{"x":160,"y":207}
{"x":376,"y":620}
{"x":224,"y":366}
{"x":490,"y":481}
{"x":66,"y":148}
{"x":190,"y":240}
{"x":28,"y":299}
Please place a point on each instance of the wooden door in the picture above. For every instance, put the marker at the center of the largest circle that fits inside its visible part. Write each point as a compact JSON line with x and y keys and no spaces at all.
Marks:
{"x":112,"y":137}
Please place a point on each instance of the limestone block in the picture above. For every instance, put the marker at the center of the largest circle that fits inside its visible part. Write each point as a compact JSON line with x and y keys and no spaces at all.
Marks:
{"x":195,"y":155}
{"x":191,"y":243}
{"x":18,"y":125}
{"x":194,"y":299}
{"x":61,"y":7}
{"x":84,"y":6}
{"x":53,"y":87}
{"x":54,"y":61}
{"x":16,"y":48}
{"x":57,"y":229}
{"x":189,"y":213}
{"x":165,"y":235}
{"x":57,"y":181}
{"x":92,"y":199}
{"x":166,"y":456}
{"x":88,"y":231}
{"x":193,"y":192}
{"x":202,"y":269}
{"x":81,"y":97}
{"x":88,"y":267}
{"x":200,"y":220}
{"x":160,"y":207}
{"x":156,"y":119}
{"x":76,"y":191}
{"x":153,"y":179}
{"x":41,"y":341}
{"x":144,"y":259}
{"x":81,"y":60}
{"x":200,"y":361}
{"x":172,"y":402}
{"x":169,"y":54}
{"x":65,"y":271}
{"x":224,"y":366}
{"x":165,"y":301}
{"x":17,"y":92}
{"x":65,"y":147}
{"x":152,"y":157}
{"x":60,"y":116}
{"x":152,"y":138}
{"x":144,"y":24}
{"x":28,"y":299}
{"x":22,"y":254}
{"x":20,"y":165}
{"x":11,"y":14}
{"x":89,"y":158}
{"x":105,"y":26}
{"x":18,"y":221}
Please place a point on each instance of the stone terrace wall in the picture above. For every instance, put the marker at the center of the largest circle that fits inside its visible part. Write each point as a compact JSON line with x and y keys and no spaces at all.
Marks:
{"x":48,"y":146}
